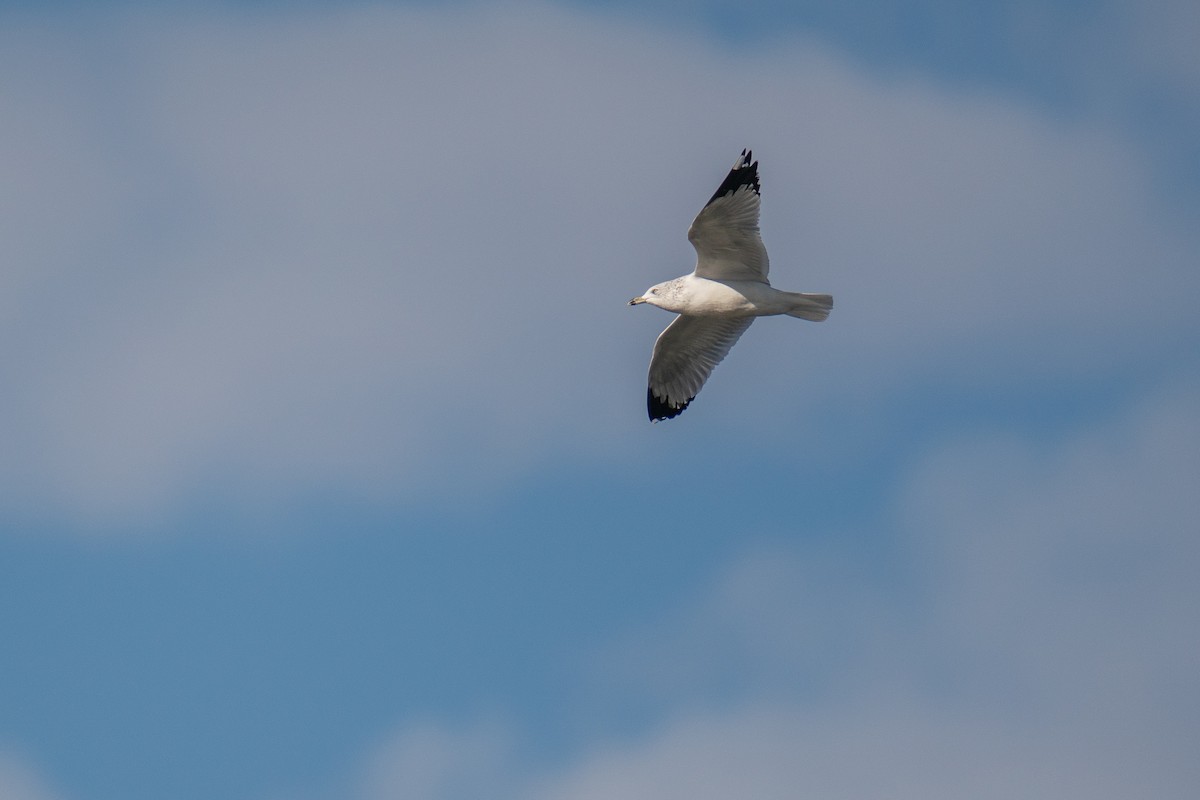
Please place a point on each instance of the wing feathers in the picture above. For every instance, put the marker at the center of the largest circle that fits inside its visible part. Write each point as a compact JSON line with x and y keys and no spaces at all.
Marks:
{"x":744,"y":173}
{"x":725,"y":232}
{"x":684,"y":356}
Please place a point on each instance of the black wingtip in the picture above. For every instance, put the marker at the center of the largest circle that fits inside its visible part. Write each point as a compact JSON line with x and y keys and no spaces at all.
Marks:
{"x":660,"y":409}
{"x":744,"y":173}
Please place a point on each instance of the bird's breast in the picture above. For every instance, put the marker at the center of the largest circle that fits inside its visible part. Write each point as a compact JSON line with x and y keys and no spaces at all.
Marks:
{"x":719,"y":298}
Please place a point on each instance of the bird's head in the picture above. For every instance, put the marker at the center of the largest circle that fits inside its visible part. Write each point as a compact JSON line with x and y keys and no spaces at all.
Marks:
{"x":655,"y":295}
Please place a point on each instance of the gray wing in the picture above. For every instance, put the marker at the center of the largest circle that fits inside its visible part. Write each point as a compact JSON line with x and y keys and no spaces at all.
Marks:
{"x":684,"y":357}
{"x":725,"y":232}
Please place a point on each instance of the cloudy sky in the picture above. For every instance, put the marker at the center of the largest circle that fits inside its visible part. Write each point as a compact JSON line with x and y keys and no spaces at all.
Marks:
{"x":324,"y":462}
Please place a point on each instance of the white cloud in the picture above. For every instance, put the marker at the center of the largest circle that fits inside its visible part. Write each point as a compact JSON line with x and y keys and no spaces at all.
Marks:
{"x":1131,"y":49}
{"x":1162,"y":36}
{"x":433,"y":762}
{"x":286,"y":251}
{"x":1043,"y":647}
{"x":775,"y":621}
{"x":882,"y":750}
{"x":20,"y":781}
{"x":1049,"y":651}
{"x":1071,"y":568}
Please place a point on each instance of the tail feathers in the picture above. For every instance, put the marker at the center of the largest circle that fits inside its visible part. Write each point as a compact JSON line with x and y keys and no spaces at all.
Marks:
{"x":815,"y":307}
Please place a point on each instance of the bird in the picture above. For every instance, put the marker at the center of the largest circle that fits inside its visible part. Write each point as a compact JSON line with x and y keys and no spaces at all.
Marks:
{"x":719,"y":299}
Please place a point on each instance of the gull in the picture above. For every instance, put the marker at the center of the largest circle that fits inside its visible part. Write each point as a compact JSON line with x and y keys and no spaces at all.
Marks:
{"x":720,"y":298}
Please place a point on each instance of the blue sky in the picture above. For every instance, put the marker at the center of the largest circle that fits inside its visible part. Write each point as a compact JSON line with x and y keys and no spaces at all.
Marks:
{"x":325,"y":465}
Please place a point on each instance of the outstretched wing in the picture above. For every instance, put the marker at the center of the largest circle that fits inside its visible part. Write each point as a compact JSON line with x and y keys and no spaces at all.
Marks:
{"x":725,"y":232}
{"x":684,"y":357}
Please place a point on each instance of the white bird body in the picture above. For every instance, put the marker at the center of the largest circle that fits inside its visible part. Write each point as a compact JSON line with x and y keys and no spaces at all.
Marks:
{"x":702,"y":297}
{"x":724,"y":294}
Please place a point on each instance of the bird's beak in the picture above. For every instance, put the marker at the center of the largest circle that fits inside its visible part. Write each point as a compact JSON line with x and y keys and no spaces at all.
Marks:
{"x":637,"y":300}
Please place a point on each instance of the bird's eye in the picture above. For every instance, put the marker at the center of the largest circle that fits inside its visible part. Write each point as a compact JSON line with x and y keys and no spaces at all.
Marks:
{"x":654,"y":291}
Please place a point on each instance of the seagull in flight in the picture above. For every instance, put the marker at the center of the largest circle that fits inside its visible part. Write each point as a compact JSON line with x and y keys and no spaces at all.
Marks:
{"x":720,"y":298}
